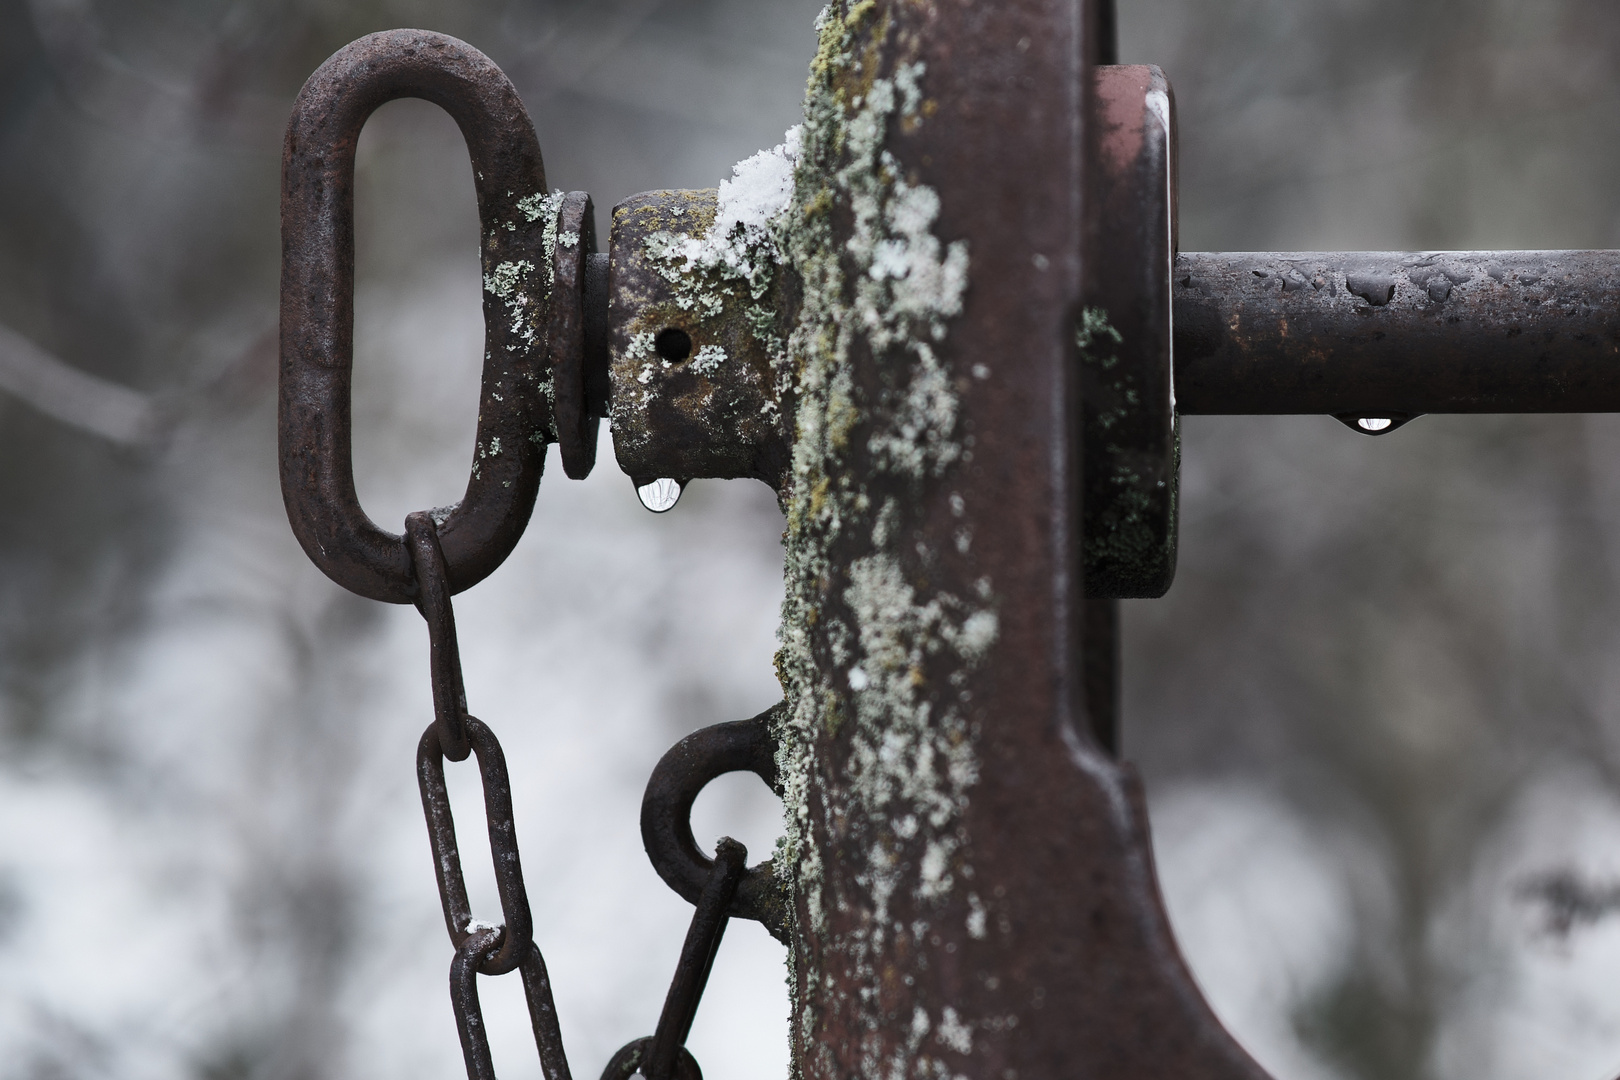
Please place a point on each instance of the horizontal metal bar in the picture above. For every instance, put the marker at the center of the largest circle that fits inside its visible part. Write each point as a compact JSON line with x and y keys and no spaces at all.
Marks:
{"x":1389,"y":333}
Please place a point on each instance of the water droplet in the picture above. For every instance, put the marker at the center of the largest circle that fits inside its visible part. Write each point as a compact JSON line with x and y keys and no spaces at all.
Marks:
{"x":1374,"y":423}
{"x":660,"y":495}
{"x":1377,"y":287}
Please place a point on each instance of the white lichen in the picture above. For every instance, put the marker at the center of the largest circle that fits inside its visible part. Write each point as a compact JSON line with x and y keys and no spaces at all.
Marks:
{"x":707,"y":360}
{"x":735,"y":259}
{"x":505,"y":279}
{"x":954,"y":1033}
{"x":523,"y":288}
{"x":877,"y":751}
{"x":534,"y":207}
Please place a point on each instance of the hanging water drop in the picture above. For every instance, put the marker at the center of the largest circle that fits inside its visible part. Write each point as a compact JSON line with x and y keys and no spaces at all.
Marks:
{"x":1374,"y":423}
{"x":660,"y":496}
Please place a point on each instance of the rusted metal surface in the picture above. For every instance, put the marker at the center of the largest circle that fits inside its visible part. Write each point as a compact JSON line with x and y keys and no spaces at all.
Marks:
{"x":515,"y":419}
{"x":1128,"y":417}
{"x":719,"y":889}
{"x":1101,"y":672}
{"x":958,"y":377}
{"x":1383,"y":334}
{"x":545,"y":298}
{"x":695,"y":381}
{"x":596,"y":359}
{"x":444,"y":650}
{"x":974,"y":892}
{"x":724,"y":886}
{"x":574,"y":421}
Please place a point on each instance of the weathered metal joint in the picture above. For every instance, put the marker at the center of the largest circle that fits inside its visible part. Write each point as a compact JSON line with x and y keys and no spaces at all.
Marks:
{"x":1131,"y":459}
{"x":698,"y":327}
{"x":935,"y":729}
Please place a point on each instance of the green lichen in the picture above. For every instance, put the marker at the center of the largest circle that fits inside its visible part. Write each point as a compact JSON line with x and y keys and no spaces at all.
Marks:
{"x":877,"y":751}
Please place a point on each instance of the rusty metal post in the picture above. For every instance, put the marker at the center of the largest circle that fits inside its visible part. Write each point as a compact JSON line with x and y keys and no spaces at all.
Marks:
{"x":974,"y":888}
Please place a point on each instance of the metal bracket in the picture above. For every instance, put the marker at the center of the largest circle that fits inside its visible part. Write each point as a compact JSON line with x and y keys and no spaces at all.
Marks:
{"x":697,"y":353}
{"x":1129,"y":427}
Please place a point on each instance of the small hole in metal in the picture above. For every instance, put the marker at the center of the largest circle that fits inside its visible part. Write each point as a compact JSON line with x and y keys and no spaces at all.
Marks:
{"x":673,"y":344}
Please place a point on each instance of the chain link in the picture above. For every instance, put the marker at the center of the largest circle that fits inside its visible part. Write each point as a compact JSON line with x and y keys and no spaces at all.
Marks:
{"x":444,"y":652}
{"x":663,"y":1055}
{"x":443,"y":553}
{"x":482,"y":949}
{"x":454,"y":734}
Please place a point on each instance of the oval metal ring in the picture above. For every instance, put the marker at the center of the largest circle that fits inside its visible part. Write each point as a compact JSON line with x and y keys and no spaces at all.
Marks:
{"x":666,"y":815}
{"x":317,"y":309}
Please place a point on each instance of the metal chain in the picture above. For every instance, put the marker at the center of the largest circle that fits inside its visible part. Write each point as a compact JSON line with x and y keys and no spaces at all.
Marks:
{"x":664,"y":1056}
{"x":480,"y":947}
{"x":496,"y":950}
{"x":439,"y":556}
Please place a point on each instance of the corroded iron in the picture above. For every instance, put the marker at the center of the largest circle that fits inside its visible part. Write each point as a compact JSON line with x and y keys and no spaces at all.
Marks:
{"x":666,"y":811}
{"x":1383,"y":334}
{"x":1128,"y":403}
{"x":697,"y":371}
{"x":545,"y":293}
{"x":973,"y":877}
{"x":570,"y":340}
{"x":663,"y":1055}
{"x":952,"y":354}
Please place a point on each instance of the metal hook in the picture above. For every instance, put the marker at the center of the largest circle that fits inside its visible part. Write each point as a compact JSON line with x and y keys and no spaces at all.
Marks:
{"x":666,"y":815}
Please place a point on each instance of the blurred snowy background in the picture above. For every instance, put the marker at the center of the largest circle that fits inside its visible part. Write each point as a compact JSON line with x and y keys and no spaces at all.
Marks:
{"x":1377,"y":714}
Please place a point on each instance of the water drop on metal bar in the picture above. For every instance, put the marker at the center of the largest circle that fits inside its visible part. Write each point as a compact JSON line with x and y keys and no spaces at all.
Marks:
{"x":1374,"y":423}
{"x":660,"y":495}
